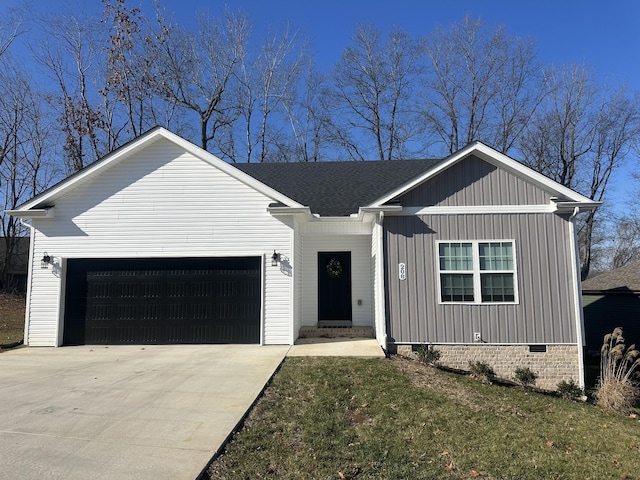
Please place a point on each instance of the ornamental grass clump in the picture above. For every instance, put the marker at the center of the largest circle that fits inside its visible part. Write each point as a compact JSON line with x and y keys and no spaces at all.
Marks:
{"x":617,"y":389}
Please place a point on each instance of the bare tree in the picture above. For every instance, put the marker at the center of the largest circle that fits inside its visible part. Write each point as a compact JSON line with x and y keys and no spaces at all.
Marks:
{"x":69,"y":54}
{"x":25,"y":168}
{"x":267,"y":78}
{"x":196,"y":69}
{"x":626,"y":243}
{"x":372,"y":96}
{"x":307,"y":115}
{"x":12,"y":25}
{"x":581,"y":135}
{"x":482,"y":85}
{"x":130,"y":102}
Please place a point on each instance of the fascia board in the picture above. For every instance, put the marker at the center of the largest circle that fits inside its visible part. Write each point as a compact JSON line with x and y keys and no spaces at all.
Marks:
{"x":290,"y":211}
{"x":34,"y":213}
{"x":382,"y":208}
{"x":582,"y":206}
{"x":495,"y":158}
{"x":144,"y":141}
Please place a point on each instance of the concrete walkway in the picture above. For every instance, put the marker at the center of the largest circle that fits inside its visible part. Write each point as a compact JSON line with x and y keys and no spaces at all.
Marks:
{"x":124,"y":412}
{"x":336,"y":347}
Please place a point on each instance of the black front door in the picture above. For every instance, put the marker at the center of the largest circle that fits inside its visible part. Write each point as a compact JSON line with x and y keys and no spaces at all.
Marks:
{"x":334,"y":286}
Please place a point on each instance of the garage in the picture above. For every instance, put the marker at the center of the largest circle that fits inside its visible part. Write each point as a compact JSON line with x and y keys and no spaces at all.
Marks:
{"x":162,"y":301}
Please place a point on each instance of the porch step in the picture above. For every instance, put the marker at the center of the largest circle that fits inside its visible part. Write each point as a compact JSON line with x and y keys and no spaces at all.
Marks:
{"x":334,"y":323}
{"x":336,"y":332}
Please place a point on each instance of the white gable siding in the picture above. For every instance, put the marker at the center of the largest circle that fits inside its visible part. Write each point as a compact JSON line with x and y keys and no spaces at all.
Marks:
{"x":162,"y":202}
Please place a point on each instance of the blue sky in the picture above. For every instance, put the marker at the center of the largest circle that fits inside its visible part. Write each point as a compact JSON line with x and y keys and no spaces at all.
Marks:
{"x":601,"y":34}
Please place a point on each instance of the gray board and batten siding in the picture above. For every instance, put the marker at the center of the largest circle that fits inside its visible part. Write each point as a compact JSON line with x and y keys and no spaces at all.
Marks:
{"x":473,"y":181}
{"x":545,"y":309}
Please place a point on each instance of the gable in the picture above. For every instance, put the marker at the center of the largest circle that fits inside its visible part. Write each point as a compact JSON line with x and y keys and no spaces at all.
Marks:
{"x":160,"y":186}
{"x":40,"y":205}
{"x":563,"y":199}
{"x":473,"y":181}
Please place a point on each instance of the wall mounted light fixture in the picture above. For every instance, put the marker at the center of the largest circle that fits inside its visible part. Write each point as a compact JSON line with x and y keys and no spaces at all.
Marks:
{"x":275,"y":258}
{"x":46,"y":260}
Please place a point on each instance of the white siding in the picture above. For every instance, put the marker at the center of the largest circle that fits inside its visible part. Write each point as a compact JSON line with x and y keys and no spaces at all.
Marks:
{"x":161,"y":202}
{"x":361,"y":273}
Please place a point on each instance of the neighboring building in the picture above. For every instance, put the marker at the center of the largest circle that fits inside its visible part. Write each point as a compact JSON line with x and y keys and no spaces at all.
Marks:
{"x":16,"y":273}
{"x":612,"y":300}
{"x":162,"y":242}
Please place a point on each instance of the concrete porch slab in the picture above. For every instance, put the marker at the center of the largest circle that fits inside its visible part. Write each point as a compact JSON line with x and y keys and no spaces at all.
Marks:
{"x":336,"y":347}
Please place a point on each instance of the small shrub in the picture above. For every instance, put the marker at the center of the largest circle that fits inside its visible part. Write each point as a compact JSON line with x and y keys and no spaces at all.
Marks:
{"x":617,"y":390}
{"x":428,"y":354}
{"x":525,"y":376}
{"x":569,"y":390}
{"x":481,"y":370}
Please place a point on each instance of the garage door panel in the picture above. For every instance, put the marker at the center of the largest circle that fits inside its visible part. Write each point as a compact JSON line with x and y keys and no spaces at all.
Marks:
{"x":130,"y":301}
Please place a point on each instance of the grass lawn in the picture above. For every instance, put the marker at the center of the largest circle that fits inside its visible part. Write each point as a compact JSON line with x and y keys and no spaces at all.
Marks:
{"x":11,"y":318}
{"x":345,"y":418}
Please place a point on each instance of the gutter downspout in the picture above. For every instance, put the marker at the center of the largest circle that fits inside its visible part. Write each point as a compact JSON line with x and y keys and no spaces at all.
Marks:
{"x":579,"y":317}
{"x":381,"y":331}
{"x":27,"y":315}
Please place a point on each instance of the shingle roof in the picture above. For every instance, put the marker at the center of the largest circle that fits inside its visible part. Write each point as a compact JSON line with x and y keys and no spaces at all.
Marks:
{"x":621,"y":279}
{"x":336,"y":188}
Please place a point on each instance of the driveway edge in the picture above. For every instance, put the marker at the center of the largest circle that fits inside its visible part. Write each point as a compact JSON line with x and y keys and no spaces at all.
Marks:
{"x":203,"y":474}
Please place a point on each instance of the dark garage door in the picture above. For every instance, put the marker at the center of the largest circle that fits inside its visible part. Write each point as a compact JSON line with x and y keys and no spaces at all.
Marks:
{"x":162,"y":301}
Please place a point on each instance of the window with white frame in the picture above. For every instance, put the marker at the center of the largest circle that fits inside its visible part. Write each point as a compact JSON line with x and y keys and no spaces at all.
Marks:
{"x":477,"y":271}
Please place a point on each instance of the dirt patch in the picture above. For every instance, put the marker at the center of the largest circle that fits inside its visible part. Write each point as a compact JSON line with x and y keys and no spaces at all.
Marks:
{"x":359,"y":418}
{"x":12,"y":308}
{"x":429,"y":377}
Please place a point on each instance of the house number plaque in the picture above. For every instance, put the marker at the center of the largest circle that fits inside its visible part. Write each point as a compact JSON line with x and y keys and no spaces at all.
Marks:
{"x":402,"y":271}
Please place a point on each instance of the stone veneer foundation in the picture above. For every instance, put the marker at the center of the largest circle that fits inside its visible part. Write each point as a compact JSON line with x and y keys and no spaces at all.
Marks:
{"x":559,"y":362}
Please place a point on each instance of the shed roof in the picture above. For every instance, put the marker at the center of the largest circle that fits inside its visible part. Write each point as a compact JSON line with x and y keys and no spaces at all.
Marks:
{"x":623,"y":279}
{"x":336,"y":188}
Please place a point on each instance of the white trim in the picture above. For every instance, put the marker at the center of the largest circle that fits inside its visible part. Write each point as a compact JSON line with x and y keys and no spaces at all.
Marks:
{"x":62,"y":302}
{"x":475,"y":209}
{"x":378,"y":286}
{"x":35,"y":213}
{"x":27,"y":310}
{"x":292,"y":286}
{"x":494,"y":157}
{"x":144,"y":141}
{"x":476,"y":272}
{"x":577,"y":295}
{"x":263,"y":283}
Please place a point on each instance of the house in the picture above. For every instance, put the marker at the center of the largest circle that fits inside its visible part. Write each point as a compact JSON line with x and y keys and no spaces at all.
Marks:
{"x":162,"y":242}
{"x":611,"y":300}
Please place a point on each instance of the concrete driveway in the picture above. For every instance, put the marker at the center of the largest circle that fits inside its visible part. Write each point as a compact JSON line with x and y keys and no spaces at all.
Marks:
{"x":124,"y":412}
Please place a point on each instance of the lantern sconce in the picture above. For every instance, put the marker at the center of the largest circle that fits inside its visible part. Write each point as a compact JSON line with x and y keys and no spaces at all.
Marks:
{"x":46,"y":260}
{"x":275,"y":258}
